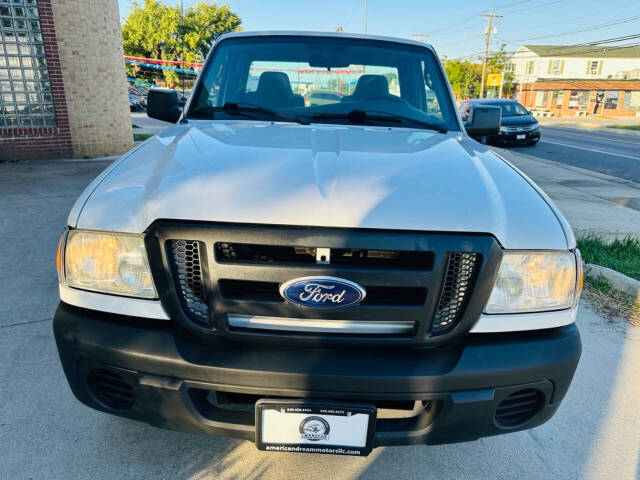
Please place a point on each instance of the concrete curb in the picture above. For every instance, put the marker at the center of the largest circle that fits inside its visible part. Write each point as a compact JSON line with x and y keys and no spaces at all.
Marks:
{"x":618,"y":281}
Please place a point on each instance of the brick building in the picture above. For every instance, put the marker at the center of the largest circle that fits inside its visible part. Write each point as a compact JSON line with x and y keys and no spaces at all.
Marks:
{"x":561,"y":98}
{"x":578,"y":80}
{"x":63,"y":90}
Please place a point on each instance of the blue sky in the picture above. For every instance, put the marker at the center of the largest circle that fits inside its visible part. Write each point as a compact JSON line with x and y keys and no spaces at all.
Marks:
{"x":455,"y":27}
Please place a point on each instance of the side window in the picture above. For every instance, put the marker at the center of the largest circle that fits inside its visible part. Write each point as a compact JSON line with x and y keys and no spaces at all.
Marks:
{"x":594,"y":67}
{"x":210,"y":95}
{"x":530,"y":67}
{"x":433,"y":104}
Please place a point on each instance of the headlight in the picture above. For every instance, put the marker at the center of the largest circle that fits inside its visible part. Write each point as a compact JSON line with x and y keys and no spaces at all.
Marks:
{"x":535,"y":282}
{"x":503,"y":129}
{"x":108,"y":263}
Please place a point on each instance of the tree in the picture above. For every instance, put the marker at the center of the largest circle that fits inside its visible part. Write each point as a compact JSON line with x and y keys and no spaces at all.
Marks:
{"x":155,"y":30}
{"x":499,"y":62}
{"x":464,"y":77}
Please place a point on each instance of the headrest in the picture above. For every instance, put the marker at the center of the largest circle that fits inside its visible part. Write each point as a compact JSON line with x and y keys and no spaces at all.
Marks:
{"x":274,"y":83}
{"x":371,"y":86}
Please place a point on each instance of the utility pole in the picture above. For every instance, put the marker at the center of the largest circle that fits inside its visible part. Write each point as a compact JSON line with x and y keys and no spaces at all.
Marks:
{"x":490,"y":16}
{"x":365,"y":16}
{"x":420,"y":36}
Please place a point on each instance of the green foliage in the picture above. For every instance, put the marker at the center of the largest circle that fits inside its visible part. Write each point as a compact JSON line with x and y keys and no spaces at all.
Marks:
{"x":599,"y":283}
{"x":465,"y":77}
{"x":155,"y":30}
{"x":625,"y":127}
{"x":141,"y":137}
{"x":620,"y":255}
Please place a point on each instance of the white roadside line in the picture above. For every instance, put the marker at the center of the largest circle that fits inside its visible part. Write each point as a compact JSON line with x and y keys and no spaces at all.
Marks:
{"x":591,"y":150}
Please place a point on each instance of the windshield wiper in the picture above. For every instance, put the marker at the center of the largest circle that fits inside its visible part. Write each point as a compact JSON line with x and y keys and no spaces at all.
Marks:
{"x":371,"y":116}
{"x":246,"y":109}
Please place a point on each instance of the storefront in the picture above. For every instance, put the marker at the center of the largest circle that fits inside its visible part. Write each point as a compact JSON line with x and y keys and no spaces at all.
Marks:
{"x":63,"y":90}
{"x":606,"y":98}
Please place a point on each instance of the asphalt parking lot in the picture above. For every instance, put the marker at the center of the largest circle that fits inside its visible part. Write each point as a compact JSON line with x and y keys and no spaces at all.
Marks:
{"x":46,"y":433}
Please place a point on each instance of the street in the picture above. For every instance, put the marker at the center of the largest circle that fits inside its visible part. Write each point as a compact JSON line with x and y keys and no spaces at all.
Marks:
{"x":613,"y":152}
{"x":46,"y":433}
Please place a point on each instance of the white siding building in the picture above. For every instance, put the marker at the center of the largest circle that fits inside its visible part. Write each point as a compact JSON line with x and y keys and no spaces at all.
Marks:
{"x":532,"y":62}
{"x":585,"y":80}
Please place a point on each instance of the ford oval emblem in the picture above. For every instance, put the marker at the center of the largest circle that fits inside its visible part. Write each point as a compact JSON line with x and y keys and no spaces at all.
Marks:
{"x":322,"y":292}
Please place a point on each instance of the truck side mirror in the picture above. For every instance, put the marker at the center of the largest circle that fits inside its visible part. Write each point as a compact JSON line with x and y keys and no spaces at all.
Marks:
{"x":484,"y":120}
{"x":162,"y":104}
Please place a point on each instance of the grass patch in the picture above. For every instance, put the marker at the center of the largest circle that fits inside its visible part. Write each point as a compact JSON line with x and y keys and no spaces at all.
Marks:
{"x":135,"y":126}
{"x":141,"y":137}
{"x":611,"y":303}
{"x":620,"y":255}
{"x":625,"y":127}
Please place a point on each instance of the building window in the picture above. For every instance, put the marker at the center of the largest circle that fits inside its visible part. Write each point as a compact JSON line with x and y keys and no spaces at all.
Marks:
{"x":556,"y":67}
{"x":25,"y":91}
{"x":594,"y":67}
{"x":579,"y":99}
{"x":557,"y":97}
{"x":542,"y":99}
{"x":530,"y":67}
{"x":611,"y":99}
{"x":631,"y":100}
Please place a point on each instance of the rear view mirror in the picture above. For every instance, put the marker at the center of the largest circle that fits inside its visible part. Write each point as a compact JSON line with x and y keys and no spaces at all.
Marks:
{"x":483,"y":121}
{"x":162,"y":104}
{"x":328,"y":58}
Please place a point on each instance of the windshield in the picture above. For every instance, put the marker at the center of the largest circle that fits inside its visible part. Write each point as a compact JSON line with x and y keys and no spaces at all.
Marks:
{"x":324,"y":80}
{"x":510,"y":109}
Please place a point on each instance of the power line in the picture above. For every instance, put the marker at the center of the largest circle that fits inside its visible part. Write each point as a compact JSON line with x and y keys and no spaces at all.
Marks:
{"x":589,"y":28}
{"x":534,"y":7}
{"x":610,"y":40}
{"x":512,"y":4}
{"x":562,"y":49}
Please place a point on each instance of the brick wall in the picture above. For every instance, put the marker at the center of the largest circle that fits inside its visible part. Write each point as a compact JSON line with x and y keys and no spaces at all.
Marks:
{"x":529,"y":92}
{"x":91,"y":59}
{"x":47,"y":142}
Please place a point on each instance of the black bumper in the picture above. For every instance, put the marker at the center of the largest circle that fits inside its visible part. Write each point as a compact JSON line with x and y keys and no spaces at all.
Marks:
{"x":172,"y":375}
{"x":512,"y":138}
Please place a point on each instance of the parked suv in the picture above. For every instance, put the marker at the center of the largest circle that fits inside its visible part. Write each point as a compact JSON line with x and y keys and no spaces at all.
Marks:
{"x":517,"y":127}
{"x":325,"y":278}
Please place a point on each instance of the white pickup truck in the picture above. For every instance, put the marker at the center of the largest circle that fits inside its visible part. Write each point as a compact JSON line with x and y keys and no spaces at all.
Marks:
{"x":322,"y":277}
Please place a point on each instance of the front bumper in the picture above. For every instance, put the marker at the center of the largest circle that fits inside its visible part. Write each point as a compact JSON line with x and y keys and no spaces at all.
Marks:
{"x":173,"y":374}
{"x":512,"y":137}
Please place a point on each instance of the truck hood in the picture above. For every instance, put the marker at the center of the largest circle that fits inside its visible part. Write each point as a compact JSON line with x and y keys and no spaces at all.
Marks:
{"x":320,"y":175}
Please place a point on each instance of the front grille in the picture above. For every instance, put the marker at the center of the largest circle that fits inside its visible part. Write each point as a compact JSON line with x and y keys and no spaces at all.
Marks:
{"x":519,"y":407}
{"x":111,"y":389}
{"x":246,"y":290}
{"x":290,"y":255}
{"x":523,"y":128}
{"x":457,"y":285}
{"x":188,"y":273}
{"x":429,"y":281}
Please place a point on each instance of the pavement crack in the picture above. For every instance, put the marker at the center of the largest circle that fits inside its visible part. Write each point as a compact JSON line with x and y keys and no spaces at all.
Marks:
{"x":24,"y":323}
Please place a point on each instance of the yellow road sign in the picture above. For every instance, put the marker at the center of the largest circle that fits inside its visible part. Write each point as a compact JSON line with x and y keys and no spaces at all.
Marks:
{"x":493,"y":79}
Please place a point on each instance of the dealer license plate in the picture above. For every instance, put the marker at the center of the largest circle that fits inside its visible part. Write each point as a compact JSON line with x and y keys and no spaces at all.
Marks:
{"x":314,"y":427}
{"x":521,"y":137}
